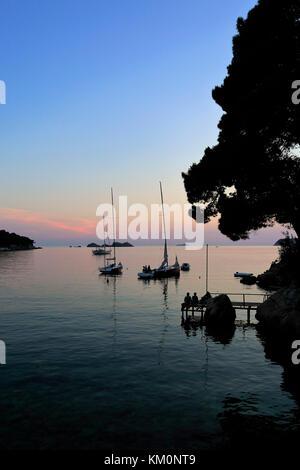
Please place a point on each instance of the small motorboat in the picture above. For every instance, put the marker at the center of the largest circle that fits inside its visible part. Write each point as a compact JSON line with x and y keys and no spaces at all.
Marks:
{"x":147,"y":273}
{"x":185,"y":267}
{"x":237,"y":274}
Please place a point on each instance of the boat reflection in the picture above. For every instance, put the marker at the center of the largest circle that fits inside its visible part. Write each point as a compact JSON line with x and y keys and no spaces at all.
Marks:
{"x":110,"y":289}
{"x":164,"y":315}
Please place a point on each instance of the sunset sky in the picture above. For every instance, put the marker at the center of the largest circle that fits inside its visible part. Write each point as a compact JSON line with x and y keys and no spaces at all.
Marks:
{"x":107,"y":93}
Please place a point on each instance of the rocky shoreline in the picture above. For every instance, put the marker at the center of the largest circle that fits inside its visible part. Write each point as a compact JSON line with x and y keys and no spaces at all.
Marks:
{"x":279,"y":315}
{"x":281,"y":311}
{"x":19,"y":248}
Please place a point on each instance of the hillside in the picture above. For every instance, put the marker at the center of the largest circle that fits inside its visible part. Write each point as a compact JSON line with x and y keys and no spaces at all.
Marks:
{"x":12,"y":241}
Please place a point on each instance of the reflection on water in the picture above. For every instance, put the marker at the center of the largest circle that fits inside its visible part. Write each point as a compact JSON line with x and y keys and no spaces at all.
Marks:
{"x":221,"y":336}
{"x":108,"y":359}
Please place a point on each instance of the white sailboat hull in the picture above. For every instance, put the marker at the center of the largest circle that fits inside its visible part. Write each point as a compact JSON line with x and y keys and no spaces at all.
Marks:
{"x":149,"y":275}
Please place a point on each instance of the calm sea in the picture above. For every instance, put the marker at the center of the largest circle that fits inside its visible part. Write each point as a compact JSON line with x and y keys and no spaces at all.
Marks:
{"x":105,"y":364}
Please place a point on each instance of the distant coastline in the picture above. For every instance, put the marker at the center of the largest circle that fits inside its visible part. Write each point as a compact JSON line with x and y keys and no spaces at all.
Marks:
{"x":116,"y":244}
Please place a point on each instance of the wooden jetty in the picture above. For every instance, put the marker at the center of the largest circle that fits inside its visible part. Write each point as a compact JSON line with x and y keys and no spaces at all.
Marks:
{"x":242,"y":303}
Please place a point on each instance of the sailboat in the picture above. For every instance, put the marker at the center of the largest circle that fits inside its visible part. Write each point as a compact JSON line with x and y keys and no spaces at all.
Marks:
{"x":164,"y":269}
{"x":101,"y":251}
{"x":112,"y":268}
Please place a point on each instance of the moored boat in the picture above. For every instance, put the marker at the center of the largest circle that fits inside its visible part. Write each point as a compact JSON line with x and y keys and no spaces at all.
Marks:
{"x":101,"y":251}
{"x":185,"y":267}
{"x":237,"y":274}
{"x":167,"y":271}
{"x":113,"y":268}
{"x":147,"y":273}
{"x":164,"y":269}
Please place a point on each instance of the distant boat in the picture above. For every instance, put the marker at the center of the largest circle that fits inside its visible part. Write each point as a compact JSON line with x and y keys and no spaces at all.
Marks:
{"x":101,"y":251}
{"x":185,"y":267}
{"x":112,"y":268}
{"x":164,"y":269}
{"x":237,"y":274}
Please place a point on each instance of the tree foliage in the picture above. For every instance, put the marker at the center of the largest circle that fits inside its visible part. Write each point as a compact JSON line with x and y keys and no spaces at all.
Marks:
{"x":8,"y":240}
{"x":251,"y":177}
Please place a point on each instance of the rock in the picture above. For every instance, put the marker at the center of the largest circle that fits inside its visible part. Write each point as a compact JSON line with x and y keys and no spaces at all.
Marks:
{"x":281,"y":312}
{"x":219,"y":311}
{"x":273,"y":278}
{"x":205,"y":298}
{"x":248,"y":280}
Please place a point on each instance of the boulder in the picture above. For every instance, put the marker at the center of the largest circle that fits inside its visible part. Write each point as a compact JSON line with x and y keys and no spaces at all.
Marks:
{"x":219,"y":311}
{"x":248,"y":280}
{"x":281,"y":312}
{"x":273,"y":278}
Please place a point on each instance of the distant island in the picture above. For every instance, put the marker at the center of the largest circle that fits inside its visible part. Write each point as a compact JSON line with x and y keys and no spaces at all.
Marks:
{"x":116,"y":244}
{"x":12,"y":242}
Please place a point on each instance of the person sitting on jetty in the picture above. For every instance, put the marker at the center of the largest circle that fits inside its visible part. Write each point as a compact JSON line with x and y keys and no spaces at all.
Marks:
{"x":187,"y":301}
{"x":195,"y":299}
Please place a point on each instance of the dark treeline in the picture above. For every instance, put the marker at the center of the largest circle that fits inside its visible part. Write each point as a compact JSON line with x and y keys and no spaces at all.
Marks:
{"x":11,"y":240}
{"x":251,"y":177}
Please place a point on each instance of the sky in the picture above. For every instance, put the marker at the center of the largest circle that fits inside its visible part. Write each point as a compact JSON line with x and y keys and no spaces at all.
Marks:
{"x":107,"y":93}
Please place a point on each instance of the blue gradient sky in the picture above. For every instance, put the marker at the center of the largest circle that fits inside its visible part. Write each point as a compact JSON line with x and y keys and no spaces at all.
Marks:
{"x":103,"y":93}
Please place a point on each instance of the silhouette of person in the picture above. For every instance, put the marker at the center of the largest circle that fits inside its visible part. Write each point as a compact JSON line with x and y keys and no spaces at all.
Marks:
{"x":188,"y":299}
{"x":195,"y":299}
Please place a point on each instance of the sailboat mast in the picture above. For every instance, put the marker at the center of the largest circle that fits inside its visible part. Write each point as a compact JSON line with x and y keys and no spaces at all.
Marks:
{"x":113,"y":216}
{"x":164,"y":222}
{"x":104,"y":246}
{"x":206,"y":267}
